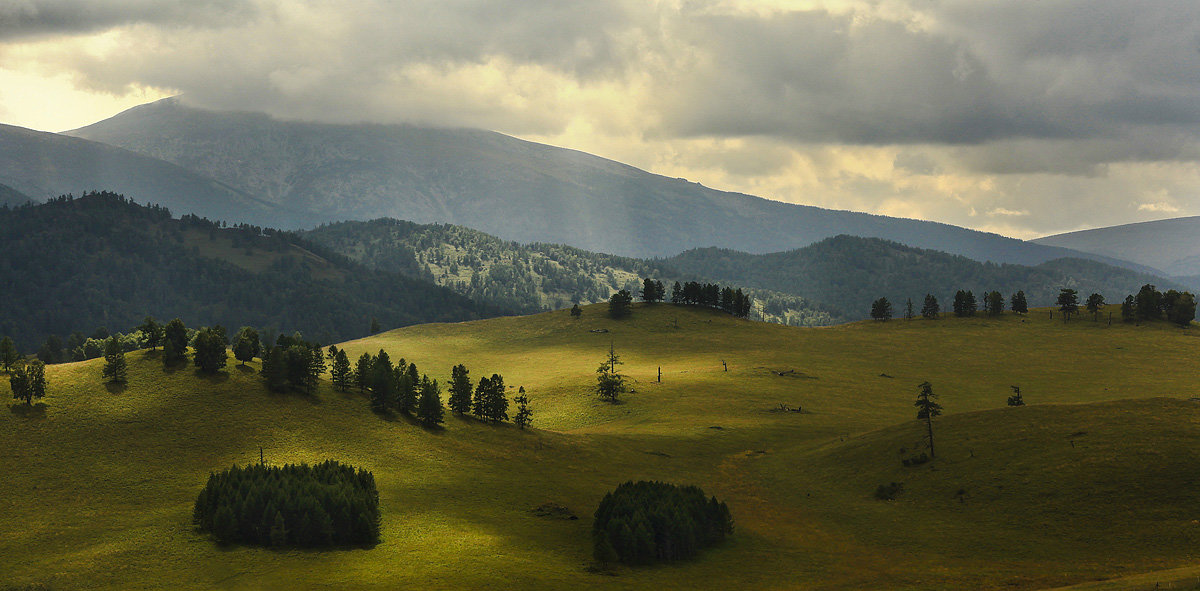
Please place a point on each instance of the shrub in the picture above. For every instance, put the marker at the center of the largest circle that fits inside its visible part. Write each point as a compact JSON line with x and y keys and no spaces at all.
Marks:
{"x":889,"y":492}
{"x":329,"y":504}
{"x":645,"y":522}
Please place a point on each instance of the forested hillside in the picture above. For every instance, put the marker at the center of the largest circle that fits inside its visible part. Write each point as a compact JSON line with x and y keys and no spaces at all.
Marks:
{"x":526,"y":278}
{"x":847,"y":273}
{"x":74,"y":264}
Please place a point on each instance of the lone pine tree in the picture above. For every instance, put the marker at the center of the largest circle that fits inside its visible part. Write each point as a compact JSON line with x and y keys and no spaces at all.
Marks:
{"x":927,"y":408}
{"x":114,"y":361}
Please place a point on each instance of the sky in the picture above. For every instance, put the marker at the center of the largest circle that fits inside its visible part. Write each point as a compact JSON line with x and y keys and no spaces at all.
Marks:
{"x":1021,"y":118}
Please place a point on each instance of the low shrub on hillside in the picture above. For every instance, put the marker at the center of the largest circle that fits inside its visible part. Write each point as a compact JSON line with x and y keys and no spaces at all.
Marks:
{"x":645,"y":522}
{"x":889,"y":492}
{"x":329,"y":504}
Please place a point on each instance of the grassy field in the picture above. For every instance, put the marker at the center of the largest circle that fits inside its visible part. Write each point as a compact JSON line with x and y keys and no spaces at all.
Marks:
{"x":1094,"y":483}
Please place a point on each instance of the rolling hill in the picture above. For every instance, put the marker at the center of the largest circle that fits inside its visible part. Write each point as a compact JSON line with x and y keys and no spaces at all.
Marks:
{"x":504,"y":186}
{"x":101,"y":260}
{"x":1171,"y":245}
{"x":526,"y":277}
{"x":846,"y":273}
{"x":40,"y":166}
{"x":1091,"y":481}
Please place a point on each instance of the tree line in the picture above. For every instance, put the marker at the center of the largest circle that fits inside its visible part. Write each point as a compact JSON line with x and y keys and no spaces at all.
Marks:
{"x":1175,"y":306}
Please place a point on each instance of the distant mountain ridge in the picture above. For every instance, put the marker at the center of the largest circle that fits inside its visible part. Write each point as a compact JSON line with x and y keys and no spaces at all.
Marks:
{"x":40,"y":166}
{"x":504,"y":186}
{"x":847,"y":273}
{"x":1172,"y":245}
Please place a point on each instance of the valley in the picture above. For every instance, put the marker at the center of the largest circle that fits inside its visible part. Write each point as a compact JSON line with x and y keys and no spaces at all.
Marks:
{"x":1091,"y":480}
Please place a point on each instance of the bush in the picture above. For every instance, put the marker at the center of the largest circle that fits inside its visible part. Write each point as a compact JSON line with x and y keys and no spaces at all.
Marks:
{"x":645,"y":522}
{"x":889,"y":492}
{"x":329,"y":504}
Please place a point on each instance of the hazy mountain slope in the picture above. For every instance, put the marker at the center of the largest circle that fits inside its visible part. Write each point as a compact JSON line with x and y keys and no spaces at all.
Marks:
{"x":1171,"y":245}
{"x":11,"y":196}
{"x":527,"y":278}
{"x":847,"y":273}
{"x":74,"y":265}
{"x":511,"y":188}
{"x":45,"y":165}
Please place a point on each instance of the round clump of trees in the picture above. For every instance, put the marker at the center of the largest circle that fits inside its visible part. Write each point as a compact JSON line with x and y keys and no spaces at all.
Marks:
{"x":329,"y":504}
{"x":645,"y":522}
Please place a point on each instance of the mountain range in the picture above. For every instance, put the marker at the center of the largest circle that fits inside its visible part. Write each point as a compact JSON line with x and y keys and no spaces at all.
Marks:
{"x":1172,"y":245}
{"x":507,"y":187}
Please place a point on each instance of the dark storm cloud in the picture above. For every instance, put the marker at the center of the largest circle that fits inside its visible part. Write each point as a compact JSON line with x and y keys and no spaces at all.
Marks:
{"x":954,"y":73}
{"x":23,"y":19}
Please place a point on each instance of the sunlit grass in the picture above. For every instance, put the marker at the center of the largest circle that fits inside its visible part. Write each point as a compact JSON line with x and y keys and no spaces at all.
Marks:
{"x":99,"y":481}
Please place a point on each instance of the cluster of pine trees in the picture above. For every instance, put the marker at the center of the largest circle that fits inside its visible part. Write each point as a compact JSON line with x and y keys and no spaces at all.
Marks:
{"x":392,"y":387}
{"x":1150,"y":304}
{"x":329,"y":504}
{"x":645,"y":522}
{"x":964,"y":305}
{"x":291,"y":365}
{"x":728,"y":299}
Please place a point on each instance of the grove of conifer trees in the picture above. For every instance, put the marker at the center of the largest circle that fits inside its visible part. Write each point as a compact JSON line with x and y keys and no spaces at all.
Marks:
{"x":329,"y":504}
{"x":645,"y":522}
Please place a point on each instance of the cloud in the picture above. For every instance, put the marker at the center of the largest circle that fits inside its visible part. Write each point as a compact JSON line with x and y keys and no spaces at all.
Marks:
{"x":1075,"y":112}
{"x":1157,"y":207}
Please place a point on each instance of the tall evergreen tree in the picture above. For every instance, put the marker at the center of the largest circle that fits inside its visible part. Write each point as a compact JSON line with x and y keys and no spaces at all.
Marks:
{"x":620,"y":304}
{"x":274,"y":369}
{"x":340,"y":372}
{"x":1094,"y":304}
{"x":881,"y":309}
{"x":927,"y":408}
{"x":1148,"y":303}
{"x":364,"y":372}
{"x":495,"y":405}
{"x":610,"y":383}
{"x":429,"y":406}
{"x":479,"y":401}
{"x":676,"y":293}
{"x":930,"y":309}
{"x":8,"y":354}
{"x":1068,"y":302}
{"x":460,"y":390}
{"x":993,"y":303}
{"x":175,"y":343}
{"x":383,"y":389}
{"x":1019,"y":305}
{"x":1129,"y":309}
{"x":524,"y":414}
{"x":114,"y":361}
{"x":908,"y":309}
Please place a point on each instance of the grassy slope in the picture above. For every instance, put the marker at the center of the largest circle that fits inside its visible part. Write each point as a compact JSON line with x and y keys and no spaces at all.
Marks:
{"x":456,"y":502}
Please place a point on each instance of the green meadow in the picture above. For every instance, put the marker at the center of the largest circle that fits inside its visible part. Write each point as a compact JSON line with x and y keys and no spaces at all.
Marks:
{"x":1094,"y":485}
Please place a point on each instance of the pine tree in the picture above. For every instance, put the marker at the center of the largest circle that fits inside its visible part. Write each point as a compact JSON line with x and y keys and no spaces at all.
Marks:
{"x":994,"y":303}
{"x":460,"y":390}
{"x":383,"y":389}
{"x":620,"y":304}
{"x":610,"y":384}
{"x":495,"y":403}
{"x":340,"y":372}
{"x":479,"y":401}
{"x":114,"y":361}
{"x":524,"y":415}
{"x":930,"y":309}
{"x":429,"y":405}
{"x":274,"y":369}
{"x":8,"y":354}
{"x":1019,"y":305}
{"x":677,"y":293}
{"x":576,"y":311}
{"x":927,"y":408}
{"x":363,"y":372}
{"x":881,"y":309}
{"x":1095,"y":303}
{"x":908,"y":309}
{"x":1068,"y":302}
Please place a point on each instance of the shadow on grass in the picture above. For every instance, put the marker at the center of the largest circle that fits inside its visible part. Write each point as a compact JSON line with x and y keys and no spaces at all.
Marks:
{"x":28,"y":411}
{"x":246,"y":369}
{"x":216,"y":377}
{"x":116,"y":387}
{"x":152,"y":354}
